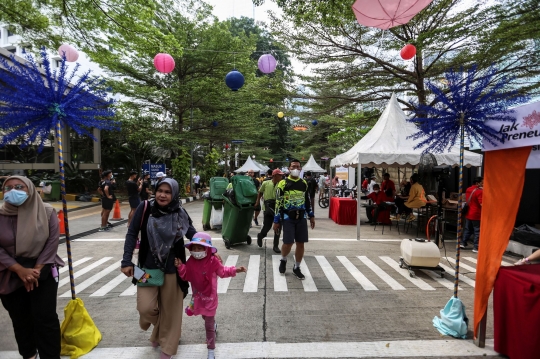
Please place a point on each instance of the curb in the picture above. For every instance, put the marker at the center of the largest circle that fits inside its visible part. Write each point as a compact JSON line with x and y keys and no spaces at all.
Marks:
{"x":119,"y":223}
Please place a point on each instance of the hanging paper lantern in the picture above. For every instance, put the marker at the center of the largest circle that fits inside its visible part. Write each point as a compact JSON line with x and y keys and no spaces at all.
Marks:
{"x":164,"y":63}
{"x":227,"y":146}
{"x":314,"y":122}
{"x":280,"y":114}
{"x":407,"y":52}
{"x":69,"y":52}
{"x":234,"y":80}
{"x":214,"y":123}
{"x":271,"y":160}
{"x":267,"y":63}
{"x":253,"y":156}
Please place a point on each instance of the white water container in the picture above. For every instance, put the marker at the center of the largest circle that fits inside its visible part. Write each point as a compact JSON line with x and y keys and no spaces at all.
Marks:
{"x":420,"y":253}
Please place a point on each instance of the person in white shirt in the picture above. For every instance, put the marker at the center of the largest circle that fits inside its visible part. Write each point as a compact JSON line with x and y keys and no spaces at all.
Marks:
{"x":372,"y":183}
{"x":196,"y":180}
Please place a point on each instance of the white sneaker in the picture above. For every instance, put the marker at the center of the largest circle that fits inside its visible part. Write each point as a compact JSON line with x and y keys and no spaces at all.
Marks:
{"x":211,"y":354}
{"x":475,"y":250}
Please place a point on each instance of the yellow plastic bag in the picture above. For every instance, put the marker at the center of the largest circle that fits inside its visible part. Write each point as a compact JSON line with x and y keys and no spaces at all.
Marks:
{"x":79,"y":333}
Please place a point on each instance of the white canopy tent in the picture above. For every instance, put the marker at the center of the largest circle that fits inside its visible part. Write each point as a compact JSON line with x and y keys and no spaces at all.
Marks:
{"x":311,"y":165}
{"x":263,"y":168}
{"x":388,"y":144}
{"x":249,"y":165}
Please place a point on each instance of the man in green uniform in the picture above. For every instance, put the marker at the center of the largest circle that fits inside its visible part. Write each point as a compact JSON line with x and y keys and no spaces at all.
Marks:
{"x":292,"y":206}
{"x":268,"y":192}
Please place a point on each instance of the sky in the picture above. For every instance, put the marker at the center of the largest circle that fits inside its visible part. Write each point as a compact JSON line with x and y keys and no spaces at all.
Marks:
{"x":225,"y":9}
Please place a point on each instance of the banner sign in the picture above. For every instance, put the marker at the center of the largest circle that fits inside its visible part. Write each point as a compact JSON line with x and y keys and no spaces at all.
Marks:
{"x":237,"y":142}
{"x":523,"y":131}
{"x":534,"y":158}
{"x":154,"y":168}
{"x":343,"y":174}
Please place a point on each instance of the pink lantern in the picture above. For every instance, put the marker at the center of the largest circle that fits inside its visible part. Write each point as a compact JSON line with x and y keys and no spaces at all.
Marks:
{"x":164,"y":63}
{"x":407,"y":52}
{"x":267,"y":63}
{"x":385,"y":14}
{"x":69,"y":52}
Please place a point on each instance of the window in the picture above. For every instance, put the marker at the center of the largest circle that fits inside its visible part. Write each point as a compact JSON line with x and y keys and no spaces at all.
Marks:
{"x":9,"y":33}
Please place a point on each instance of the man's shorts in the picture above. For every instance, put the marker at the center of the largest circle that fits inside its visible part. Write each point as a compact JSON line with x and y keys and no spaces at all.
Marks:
{"x":134,"y":201}
{"x":295,"y":230}
{"x":107,"y":204}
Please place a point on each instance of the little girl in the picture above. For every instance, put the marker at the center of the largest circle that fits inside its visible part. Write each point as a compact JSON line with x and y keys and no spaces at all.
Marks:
{"x":202,"y":270}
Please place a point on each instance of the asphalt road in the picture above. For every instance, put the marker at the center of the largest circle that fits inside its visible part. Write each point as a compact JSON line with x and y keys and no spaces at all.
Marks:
{"x":355,"y":302}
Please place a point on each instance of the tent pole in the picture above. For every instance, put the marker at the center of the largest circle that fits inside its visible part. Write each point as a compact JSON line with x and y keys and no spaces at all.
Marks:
{"x":358,"y":193}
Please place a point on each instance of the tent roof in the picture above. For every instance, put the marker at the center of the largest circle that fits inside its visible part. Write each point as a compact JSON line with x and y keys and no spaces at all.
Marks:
{"x":249,"y":165}
{"x":311,"y":165}
{"x":263,"y":168}
{"x":387,"y":144}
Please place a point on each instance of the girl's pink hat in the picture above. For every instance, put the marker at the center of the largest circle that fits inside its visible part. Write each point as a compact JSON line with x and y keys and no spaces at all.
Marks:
{"x":202,"y":239}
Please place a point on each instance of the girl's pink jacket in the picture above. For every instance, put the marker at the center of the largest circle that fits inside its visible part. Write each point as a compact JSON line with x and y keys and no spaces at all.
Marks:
{"x":202,"y":274}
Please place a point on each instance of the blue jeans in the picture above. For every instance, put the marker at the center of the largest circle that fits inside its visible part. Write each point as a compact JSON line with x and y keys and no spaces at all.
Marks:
{"x":471,"y":227}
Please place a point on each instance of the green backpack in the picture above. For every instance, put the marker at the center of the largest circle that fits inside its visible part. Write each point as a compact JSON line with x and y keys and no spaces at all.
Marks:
{"x":244,"y":190}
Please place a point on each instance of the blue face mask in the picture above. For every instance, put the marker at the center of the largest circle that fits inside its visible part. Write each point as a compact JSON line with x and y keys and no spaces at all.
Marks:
{"x":16,"y":197}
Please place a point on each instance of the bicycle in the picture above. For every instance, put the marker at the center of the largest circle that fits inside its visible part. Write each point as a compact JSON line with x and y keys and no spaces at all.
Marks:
{"x":324,"y":201}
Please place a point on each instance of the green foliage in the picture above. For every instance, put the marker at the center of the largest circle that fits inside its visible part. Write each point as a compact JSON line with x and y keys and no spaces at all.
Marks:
{"x":211,"y":161}
{"x":180,"y":168}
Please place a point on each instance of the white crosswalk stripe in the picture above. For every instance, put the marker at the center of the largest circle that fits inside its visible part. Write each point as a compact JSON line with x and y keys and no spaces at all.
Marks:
{"x":223,"y":283}
{"x":74,"y":264}
{"x":405,"y":273}
{"x":360,"y":278}
{"x":381,"y":273}
{"x":471,"y":259}
{"x":330,"y":274}
{"x":251,"y":283}
{"x":105,"y":279}
{"x":83,"y":271}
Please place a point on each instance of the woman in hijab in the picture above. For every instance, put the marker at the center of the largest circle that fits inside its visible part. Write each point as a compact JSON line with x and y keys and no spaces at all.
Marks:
{"x":28,"y":268}
{"x":162,"y":224}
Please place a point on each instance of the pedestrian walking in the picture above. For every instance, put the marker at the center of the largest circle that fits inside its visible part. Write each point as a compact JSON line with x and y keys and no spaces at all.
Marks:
{"x":107,"y":187}
{"x":292,"y":206}
{"x":268,"y":192}
{"x":146,"y":191}
{"x":134,"y":186}
{"x":196,"y":180}
{"x":202,"y":270}
{"x":159,"y":177}
{"x":322,"y":184}
{"x":162,"y":224}
{"x":28,"y":268}
{"x":257,"y":184}
{"x":312,"y":188}
{"x":473,"y":196}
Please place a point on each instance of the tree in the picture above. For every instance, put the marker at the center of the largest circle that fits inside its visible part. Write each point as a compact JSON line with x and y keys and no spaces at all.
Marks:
{"x":356,"y":64}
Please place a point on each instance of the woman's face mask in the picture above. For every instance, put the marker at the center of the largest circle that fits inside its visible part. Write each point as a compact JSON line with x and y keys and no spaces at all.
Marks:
{"x":16,"y":197}
{"x":198,"y":255}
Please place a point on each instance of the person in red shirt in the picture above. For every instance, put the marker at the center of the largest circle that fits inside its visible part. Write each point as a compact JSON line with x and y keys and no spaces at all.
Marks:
{"x":365,"y":184}
{"x":379,"y":199}
{"x":388,"y":185}
{"x":472,"y":219}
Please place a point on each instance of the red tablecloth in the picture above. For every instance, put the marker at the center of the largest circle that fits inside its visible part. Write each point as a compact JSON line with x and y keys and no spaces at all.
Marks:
{"x":516,"y":311}
{"x":343,"y":210}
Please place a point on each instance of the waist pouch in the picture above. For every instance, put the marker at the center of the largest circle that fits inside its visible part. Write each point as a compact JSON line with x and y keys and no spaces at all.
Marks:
{"x":296,"y":213}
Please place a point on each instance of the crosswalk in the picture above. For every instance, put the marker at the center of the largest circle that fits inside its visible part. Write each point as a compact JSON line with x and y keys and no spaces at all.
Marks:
{"x":100,"y":277}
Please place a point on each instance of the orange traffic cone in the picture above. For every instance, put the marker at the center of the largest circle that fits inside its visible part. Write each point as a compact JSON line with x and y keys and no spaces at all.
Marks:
{"x":117,"y":216}
{"x":61,"y":222}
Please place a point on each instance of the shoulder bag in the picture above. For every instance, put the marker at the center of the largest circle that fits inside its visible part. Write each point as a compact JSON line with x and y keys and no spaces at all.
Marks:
{"x":466,"y":207}
{"x":152,"y":277}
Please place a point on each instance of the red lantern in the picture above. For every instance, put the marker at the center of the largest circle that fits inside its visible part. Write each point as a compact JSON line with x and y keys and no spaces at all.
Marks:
{"x":164,"y":63}
{"x":227,"y":146}
{"x":407,"y":52}
{"x":271,"y":160}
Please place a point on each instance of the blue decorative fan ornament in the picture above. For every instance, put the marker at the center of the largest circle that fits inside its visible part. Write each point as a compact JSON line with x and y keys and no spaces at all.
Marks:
{"x":471,"y":99}
{"x":464,"y":98}
{"x":33,"y":102}
{"x":36,"y":103}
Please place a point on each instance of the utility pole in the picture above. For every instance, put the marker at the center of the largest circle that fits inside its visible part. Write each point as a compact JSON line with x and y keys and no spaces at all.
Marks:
{"x":191,"y":146}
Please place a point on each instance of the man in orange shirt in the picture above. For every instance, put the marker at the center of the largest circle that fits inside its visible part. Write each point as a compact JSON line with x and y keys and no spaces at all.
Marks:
{"x":473,"y":196}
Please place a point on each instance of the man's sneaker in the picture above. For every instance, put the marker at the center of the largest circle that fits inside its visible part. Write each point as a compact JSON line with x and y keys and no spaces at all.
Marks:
{"x":475,"y":250}
{"x":282,"y":266}
{"x":276,"y":249}
{"x":259,"y":240}
{"x":298,"y":274}
{"x":103,"y":229}
{"x":256,"y":221}
{"x":463,"y":246}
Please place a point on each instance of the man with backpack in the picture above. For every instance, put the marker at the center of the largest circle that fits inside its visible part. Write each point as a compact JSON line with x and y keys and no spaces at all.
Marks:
{"x":292,"y":206}
{"x":473,"y":211}
{"x":268,"y":192}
